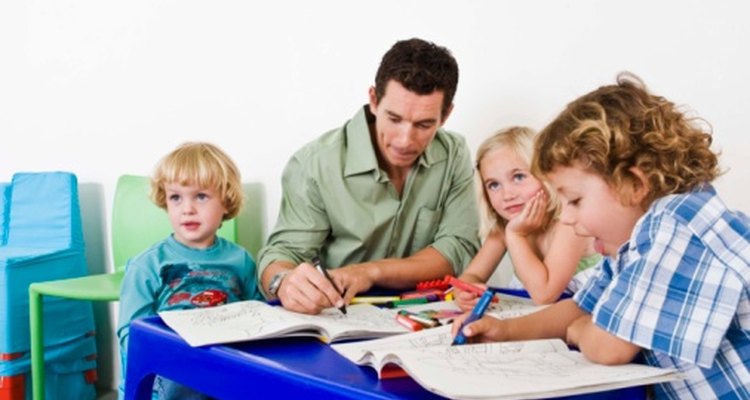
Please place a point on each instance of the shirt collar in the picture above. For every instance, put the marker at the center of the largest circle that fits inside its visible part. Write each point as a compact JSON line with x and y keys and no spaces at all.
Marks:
{"x":360,"y":153}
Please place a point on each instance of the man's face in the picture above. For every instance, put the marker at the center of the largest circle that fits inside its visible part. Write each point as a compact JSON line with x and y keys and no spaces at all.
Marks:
{"x":593,"y":208}
{"x":405,"y":124}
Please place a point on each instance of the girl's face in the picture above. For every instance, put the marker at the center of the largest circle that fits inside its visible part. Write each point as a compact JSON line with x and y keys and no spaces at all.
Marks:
{"x":593,"y":208}
{"x":195,"y":214}
{"x":507,"y":181}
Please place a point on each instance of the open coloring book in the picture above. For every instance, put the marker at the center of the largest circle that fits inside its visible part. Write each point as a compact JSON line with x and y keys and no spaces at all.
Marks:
{"x":253,"y":320}
{"x":517,"y":370}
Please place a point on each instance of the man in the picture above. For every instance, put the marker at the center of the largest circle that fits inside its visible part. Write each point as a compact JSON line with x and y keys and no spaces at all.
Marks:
{"x":387,"y":199}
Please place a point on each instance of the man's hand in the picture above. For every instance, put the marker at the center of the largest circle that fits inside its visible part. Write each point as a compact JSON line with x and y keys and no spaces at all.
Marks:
{"x":307,"y":291}
{"x":354,"y":278}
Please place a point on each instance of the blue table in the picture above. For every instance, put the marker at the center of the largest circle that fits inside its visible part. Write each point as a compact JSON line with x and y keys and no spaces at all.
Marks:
{"x":278,"y":369}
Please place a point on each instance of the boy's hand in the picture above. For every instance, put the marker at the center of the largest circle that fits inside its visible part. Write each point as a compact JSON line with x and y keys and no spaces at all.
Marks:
{"x":532,"y":216}
{"x":486,"y":329}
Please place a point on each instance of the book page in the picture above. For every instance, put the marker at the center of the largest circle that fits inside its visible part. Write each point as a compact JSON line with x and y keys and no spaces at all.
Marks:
{"x":253,"y":320}
{"x":512,"y":306}
{"x":507,"y":307}
{"x":437,"y":340}
{"x":479,"y":371}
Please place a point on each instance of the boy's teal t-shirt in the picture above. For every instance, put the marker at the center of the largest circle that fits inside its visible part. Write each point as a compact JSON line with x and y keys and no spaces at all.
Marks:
{"x":170,"y":275}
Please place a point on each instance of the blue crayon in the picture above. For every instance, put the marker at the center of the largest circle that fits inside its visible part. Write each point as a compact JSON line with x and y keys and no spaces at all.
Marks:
{"x":476,"y":313}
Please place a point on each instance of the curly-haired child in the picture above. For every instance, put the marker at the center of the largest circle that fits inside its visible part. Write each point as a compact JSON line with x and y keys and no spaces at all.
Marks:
{"x":634,"y":172}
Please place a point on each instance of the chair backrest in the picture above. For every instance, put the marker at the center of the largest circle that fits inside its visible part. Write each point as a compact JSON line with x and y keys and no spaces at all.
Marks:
{"x":44,"y":211}
{"x":138,"y":223}
{"x":4,"y":203}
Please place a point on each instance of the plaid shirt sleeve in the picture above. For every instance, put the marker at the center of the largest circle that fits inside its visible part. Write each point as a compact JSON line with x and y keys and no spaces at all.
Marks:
{"x":671,"y":293}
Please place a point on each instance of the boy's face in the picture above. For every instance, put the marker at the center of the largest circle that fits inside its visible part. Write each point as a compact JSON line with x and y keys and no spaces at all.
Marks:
{"x":195,"y":214}
{"x":593,"y":209}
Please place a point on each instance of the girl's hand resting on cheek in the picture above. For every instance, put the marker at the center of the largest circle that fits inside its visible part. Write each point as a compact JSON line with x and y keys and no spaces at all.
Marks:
{"x":531,"y":218}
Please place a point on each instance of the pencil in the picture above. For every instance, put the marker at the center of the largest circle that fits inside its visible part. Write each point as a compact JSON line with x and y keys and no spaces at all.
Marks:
{"x":322,"y":270}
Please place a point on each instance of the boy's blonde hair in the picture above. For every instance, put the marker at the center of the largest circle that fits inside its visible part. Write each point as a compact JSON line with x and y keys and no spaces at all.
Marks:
{"x":204,"y":165}
{"x":617,"y":127}
{"x":518,"y":139}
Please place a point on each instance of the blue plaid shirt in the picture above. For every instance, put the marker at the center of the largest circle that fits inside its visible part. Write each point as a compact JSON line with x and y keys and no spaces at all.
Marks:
{"x":679,"y":289}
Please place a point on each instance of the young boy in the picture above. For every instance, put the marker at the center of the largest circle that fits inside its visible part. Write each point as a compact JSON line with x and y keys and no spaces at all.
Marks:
{"x":633,"y":173}
{"x":199,"y":186}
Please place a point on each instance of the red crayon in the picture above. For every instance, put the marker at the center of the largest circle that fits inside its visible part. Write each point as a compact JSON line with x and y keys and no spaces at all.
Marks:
{"x":466,"y":286}
{"x":410,"y":324}
{"x":463,"y":285}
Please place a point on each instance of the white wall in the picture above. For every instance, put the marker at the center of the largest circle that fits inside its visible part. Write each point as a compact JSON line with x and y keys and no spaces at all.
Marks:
{"x":102,"y":87}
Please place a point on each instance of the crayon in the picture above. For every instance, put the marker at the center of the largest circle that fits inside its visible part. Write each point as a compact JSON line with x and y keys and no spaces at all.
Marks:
{"x":374,"y":299}
{"x":476,"y":313}
{"x":464,"y":285}
{"x":424,"y":320}
{"x":431,"y":294}
{"x":405,"y":302}
{"x":410,"y":324}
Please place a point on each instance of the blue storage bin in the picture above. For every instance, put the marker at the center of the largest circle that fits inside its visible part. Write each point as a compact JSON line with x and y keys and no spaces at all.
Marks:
{"x":41,"y":238}
{"x":43,"y":241}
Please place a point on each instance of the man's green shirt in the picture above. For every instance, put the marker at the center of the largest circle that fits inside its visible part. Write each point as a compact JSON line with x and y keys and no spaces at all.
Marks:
{"x":338,"y":201}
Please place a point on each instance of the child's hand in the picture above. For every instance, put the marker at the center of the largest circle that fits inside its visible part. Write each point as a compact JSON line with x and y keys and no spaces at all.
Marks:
{"x":486,"y":329}
{"x":467,"y":300}
{"x":532,"y":216}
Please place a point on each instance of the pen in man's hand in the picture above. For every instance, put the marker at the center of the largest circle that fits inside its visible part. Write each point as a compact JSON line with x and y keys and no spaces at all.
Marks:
{"x":476,"y":313}
{"x":322,"y":270}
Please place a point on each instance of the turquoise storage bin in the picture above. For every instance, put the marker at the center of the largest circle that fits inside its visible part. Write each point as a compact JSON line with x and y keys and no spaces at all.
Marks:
{"x":41,"y":238}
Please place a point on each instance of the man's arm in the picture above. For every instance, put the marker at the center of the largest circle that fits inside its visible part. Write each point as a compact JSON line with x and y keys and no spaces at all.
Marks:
{"x":301,"y":228}
{"x":403,"y":273}
{"x":456,"y":237}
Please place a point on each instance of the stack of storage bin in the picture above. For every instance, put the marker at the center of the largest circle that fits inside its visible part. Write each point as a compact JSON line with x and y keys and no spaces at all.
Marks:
{"x":41,"y":238}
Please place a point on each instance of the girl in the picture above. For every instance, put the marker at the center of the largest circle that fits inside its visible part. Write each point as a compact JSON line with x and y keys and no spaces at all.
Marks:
{"x":520,"y":217}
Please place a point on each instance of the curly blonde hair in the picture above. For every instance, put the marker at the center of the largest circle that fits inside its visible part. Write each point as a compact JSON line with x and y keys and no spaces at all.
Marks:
{"x":520,"y":140}
{"x":204,"y":165}
{"x":617,"y":127}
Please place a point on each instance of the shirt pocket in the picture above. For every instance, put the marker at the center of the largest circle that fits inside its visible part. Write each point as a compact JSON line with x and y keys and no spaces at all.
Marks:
{"x":425,"y":227}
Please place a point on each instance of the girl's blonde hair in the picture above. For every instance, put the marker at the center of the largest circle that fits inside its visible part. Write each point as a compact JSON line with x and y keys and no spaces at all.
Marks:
{"x":204,"y":165}
{"x":518,"y":139}
{"x":616,"y":127}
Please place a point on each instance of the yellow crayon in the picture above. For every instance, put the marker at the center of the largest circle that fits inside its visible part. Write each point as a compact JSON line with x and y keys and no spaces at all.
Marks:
{"x":373,"y":299}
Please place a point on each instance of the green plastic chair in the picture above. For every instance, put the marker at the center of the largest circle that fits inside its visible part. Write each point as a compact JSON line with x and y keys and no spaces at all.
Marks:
{"x":137,"y":223}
